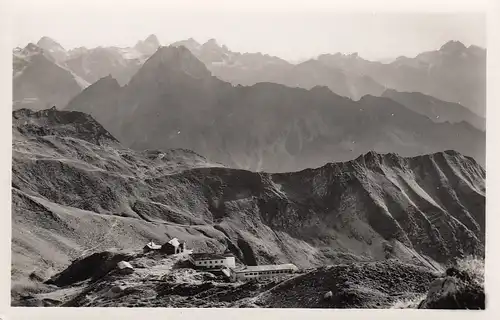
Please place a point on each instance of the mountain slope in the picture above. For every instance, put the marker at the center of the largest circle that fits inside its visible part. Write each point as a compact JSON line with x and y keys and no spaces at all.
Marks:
{"x":39,"y":82}
{"x":312,"y":73}
{"x":93,"y":64}
{"x":174,"y":102}
{"x":76,"y":190}
{"x":435,"y":109}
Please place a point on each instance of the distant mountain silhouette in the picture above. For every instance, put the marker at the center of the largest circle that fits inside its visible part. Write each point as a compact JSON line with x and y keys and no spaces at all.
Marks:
{"x":39,"y":81}
{"x":454,"y":73}
{"x":435,"y":109}
{"x":53,"y":48}
{"x":174,"y":102}
{"x":148,"y":46}
{"x":252,"y":68}
{"x":121,"y":63}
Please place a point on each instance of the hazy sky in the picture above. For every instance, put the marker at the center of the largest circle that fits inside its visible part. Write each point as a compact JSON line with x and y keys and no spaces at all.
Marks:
{"x":291,"y":35}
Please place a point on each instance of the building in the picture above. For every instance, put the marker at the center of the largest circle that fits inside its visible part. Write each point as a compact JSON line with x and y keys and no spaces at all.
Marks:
{"x":212,"y":260}
{"x":151,"y":246}
{"x":263,"y":271}
{"x":172,"y":247}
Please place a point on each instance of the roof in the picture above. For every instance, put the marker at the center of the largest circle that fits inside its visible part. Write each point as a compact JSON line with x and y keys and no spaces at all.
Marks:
{"x":206,"y":256}
{"x":268,"y":267}
{"x":174,"y":242}
{"x":153,"y":246}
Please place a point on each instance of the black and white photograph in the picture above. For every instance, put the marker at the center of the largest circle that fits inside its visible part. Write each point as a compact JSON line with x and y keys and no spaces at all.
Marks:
{"x":199,"y":157}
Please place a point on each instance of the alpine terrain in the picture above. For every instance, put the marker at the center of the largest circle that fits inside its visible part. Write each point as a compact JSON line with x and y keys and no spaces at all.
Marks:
{"x":367,"y":232}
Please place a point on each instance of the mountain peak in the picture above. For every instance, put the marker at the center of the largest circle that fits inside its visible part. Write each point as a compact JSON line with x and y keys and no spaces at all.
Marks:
{"x":212,"y":44}
{"x":152,"y":39}
{"x":49,"y":43}
{"x":171,"y":59}
{"x":190,"y":43}
{"x":108,"y":80}
{"x":452,"y":46}
{"x":149,"y":45}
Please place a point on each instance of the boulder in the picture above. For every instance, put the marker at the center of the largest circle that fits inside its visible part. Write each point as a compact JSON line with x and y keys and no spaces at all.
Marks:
{"x":114,"y":292}
{"x":124,"y":267}
{"x":328,"y":295}
{"x":36,"y":276}
{"x":451,"y":292}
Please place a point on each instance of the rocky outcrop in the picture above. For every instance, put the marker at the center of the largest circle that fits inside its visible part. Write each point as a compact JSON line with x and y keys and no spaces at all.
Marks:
{"x":457,"y":289}
{"x":93,"y":267}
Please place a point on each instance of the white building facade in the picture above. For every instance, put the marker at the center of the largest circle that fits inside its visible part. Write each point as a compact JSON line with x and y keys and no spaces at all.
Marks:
{"x":212,"y":261}
{"x":263,"y":271}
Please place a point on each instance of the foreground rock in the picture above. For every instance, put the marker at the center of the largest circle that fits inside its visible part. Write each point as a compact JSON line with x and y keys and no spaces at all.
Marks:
{"x":457,"y":289}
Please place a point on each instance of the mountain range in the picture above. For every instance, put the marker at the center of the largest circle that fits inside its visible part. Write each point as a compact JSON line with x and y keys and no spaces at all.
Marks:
{"x":454,"y":73}
{"x":368,"y":176}
{"x":40,"y":82}
{"x":251,"y":68}
{"x":76,"y":190}
{"x":173,"y":101}
{"x":45,"y":74}
{"x":435,"y":109}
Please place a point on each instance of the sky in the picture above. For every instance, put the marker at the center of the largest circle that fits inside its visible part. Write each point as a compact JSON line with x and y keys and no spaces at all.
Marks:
{"x":273,"y":29}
